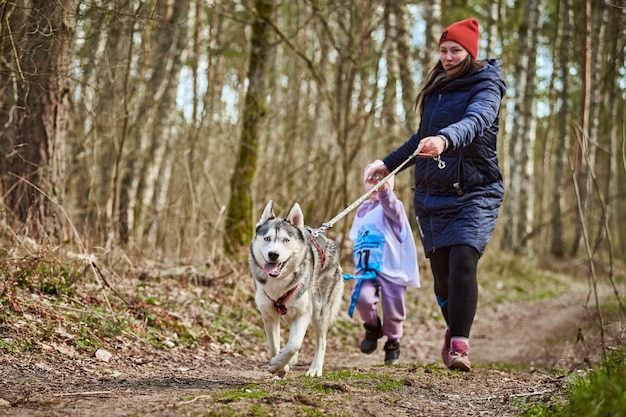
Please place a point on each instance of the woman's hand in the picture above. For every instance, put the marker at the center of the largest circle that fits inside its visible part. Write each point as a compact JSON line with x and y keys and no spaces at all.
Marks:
{"x":431,"y":146}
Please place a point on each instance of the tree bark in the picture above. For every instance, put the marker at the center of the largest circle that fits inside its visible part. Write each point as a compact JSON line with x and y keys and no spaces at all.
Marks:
{"x":238,"y":225}
{"x":557,"y":247}
{"x":528,"y":113}
{"x":615,"y":61}
{"x":34,"y":78}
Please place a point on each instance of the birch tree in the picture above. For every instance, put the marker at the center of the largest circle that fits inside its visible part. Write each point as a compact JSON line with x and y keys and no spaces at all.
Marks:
{"x":433,"y":30}
{"x":162,"y":63}
{"x":528,"y":132}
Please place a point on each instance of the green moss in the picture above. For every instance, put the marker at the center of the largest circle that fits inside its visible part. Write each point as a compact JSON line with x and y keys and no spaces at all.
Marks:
{"x":247,"y":392}
{"x":599,"y":393}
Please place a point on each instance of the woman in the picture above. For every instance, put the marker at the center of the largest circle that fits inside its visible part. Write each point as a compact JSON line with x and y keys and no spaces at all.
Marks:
{"x":458,"y":184}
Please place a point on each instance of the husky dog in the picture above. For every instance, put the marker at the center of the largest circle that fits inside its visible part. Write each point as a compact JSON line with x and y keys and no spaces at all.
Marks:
{"x":297,"y":276}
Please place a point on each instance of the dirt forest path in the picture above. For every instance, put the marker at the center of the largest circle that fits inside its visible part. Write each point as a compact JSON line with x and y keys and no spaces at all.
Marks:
{"x":193,"y":382}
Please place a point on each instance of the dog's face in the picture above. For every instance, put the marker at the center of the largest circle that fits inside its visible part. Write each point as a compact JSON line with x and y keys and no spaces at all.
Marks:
{"x":279,"y":244}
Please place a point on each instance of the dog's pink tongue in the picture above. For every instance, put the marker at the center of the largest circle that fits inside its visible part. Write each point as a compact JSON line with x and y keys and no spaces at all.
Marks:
{"x":271,"y":269}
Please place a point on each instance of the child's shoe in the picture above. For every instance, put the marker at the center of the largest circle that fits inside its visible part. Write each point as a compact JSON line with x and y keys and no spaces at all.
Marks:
{"x":392,"y":352}
{"x":458,"y":359}
{"x":372,"y":334}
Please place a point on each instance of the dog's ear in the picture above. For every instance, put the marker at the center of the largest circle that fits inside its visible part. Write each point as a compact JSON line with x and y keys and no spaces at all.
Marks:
{"x":268,"y":213}
{"x":295,"y":216}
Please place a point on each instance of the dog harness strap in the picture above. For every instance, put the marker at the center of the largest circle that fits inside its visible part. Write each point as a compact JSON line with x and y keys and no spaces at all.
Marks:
{"x":279,"y":305}
{"x":320,"y":250}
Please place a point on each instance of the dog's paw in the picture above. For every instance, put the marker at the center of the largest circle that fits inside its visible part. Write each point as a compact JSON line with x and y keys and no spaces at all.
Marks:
{"x":278,"y":371}
{"x":276,"y":366}
{"x":314,"y":372}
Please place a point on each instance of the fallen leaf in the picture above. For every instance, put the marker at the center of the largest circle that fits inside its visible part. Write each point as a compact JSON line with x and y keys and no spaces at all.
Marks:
{"x":104,"y":355}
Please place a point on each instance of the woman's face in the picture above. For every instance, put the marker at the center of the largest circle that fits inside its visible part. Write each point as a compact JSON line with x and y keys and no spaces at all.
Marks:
{"x":451,"y":54}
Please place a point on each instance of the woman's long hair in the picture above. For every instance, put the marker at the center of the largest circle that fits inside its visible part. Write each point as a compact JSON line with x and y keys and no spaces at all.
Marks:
{"x":437,"y":78}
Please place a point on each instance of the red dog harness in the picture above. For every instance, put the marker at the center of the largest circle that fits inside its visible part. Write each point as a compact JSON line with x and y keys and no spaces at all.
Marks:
{"x":279,"y":305}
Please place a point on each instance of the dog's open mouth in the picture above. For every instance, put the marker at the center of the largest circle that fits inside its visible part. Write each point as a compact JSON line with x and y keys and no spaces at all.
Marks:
{"x":273,"y":269}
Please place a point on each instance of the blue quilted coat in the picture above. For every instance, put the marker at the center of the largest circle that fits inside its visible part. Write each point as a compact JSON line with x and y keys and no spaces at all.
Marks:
{"x":459,"y":204}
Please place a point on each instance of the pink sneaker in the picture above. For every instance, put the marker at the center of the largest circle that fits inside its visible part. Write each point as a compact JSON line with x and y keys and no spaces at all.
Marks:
{"x":445,"y":350}
{"x":458,"y":359}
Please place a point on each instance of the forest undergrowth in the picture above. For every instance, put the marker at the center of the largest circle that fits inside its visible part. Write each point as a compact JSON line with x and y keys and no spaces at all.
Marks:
{"x":107,"y":314}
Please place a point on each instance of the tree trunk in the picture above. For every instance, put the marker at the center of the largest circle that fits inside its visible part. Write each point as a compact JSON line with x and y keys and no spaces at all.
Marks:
{"x":238,"y":225}
{"x":153,"y":118}
{"x":389,"y":109}
{"x":514,"y":164}
{"x":432,"y":18}
{"x":399,"y":43}
{"x":562,"y":146}
{"x":581,"y":156}
{"x":36,"y":52}
{"x":598,"y":90}
{"x":615,"y":61}
{"x":403,"y":45}
{"x":528,"y":113}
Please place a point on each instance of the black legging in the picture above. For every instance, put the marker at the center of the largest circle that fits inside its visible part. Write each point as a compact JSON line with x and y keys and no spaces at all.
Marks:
{"x":456,"y":287}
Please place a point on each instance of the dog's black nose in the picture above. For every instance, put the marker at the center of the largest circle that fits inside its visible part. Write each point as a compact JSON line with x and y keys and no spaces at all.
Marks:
{"x":273,"y":256}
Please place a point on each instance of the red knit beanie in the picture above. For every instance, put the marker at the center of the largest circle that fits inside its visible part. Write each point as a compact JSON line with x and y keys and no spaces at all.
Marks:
{"x":466,"y":33}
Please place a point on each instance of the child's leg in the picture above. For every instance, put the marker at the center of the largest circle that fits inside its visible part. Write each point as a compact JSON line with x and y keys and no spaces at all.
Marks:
{"x":394,"y":313}
{"x":367,"y":302}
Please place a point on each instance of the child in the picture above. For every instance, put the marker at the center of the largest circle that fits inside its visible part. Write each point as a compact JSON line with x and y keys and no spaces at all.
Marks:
{"x":385,"y":263}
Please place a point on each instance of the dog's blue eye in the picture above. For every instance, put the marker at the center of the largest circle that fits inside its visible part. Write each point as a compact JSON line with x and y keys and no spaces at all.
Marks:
{"x":285,"y":240}
{"x":267,"y":238}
